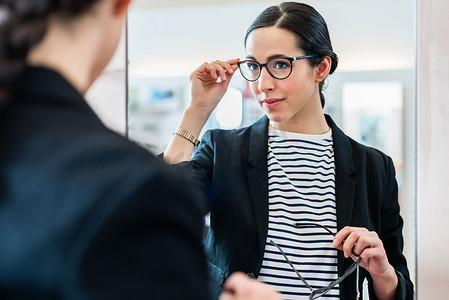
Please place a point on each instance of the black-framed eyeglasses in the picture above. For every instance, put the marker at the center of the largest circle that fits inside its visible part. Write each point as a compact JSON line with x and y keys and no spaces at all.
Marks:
{"x":277,"y":67}
{"x":316,"y":293}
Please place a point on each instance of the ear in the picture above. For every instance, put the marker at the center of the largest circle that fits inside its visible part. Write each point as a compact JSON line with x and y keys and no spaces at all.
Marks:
{"x":121,"y":6}
{"x":323,"y":69}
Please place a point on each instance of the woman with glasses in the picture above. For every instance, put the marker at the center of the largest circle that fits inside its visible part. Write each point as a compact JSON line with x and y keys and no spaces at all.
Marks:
{"x":280,"y":189}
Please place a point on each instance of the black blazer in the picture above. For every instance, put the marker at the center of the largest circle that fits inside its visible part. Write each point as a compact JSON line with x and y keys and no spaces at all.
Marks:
{"x":230,"y":166}
{"x":86,"y":214}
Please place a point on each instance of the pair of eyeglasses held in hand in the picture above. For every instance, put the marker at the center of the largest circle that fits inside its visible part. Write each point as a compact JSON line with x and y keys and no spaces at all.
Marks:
{"x":316,"y":293}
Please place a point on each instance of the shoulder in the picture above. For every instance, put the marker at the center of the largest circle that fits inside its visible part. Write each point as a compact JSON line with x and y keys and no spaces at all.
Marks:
{"x":349,"y":151}
{"x":369,"y":154}
{"x":240,"y":135}
{"x":143,"y":212}
{"x":226,"y":134}
{"x":117,"y":176}
{"x":366,"y":162}
{"x":112,"y":156}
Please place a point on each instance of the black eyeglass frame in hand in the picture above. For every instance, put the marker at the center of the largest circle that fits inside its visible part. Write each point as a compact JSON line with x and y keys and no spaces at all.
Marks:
{"x":316,"y":293}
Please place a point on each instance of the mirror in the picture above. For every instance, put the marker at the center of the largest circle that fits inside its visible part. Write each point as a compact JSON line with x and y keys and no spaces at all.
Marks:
{"x":371,"y":95}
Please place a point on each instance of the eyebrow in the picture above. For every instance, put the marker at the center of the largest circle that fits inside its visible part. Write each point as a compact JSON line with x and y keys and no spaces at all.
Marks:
{"x":269,"y":57}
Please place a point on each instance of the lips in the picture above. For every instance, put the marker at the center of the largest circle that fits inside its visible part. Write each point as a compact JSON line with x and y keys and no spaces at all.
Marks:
{"x":272,"y":103}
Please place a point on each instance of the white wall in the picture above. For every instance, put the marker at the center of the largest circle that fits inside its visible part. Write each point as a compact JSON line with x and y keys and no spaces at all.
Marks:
{"x":367,"y":35}
{"x":432,"y":150}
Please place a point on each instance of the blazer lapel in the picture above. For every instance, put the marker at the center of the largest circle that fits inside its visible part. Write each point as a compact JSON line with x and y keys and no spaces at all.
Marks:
{"x":344,"y":169}
{"x":257,"y":176}
{"x":344,"y":184}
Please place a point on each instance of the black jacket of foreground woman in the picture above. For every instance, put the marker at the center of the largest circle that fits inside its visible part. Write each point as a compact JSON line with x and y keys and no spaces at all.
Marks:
{"x":86,"y":214}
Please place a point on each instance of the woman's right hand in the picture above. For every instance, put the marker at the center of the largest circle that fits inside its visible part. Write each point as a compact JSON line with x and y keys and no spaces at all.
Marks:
{"x":207,"y":91}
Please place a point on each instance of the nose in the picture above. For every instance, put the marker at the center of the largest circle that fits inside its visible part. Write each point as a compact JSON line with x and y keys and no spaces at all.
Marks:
{"x":265,"y":81}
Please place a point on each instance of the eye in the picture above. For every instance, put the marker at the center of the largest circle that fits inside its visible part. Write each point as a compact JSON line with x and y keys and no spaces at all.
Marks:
{"x":280,"y":64}
{"x":252,"y":66}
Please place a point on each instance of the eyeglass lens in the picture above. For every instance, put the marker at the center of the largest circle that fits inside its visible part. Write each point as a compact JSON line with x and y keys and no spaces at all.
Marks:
{"x":279,"y":68}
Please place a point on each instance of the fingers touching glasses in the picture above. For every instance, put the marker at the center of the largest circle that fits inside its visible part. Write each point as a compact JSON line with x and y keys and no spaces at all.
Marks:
{"x":354,"y":240}
{"x":316,"y":293}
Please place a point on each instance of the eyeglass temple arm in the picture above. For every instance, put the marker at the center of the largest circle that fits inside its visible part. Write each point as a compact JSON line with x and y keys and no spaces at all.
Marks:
{"x":303,"y":57}
{"x":351,"y":269}
{"x":319,"y":292}
{"x":291,"y":265}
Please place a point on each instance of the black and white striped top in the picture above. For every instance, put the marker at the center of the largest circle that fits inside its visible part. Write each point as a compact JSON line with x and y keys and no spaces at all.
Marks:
{"x":301,"y":184}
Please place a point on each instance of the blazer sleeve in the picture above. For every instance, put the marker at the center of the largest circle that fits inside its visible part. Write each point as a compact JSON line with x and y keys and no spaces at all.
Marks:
{"x":146,"y":245}
{"x":200,"y":168}
{"x":391,"y":235}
